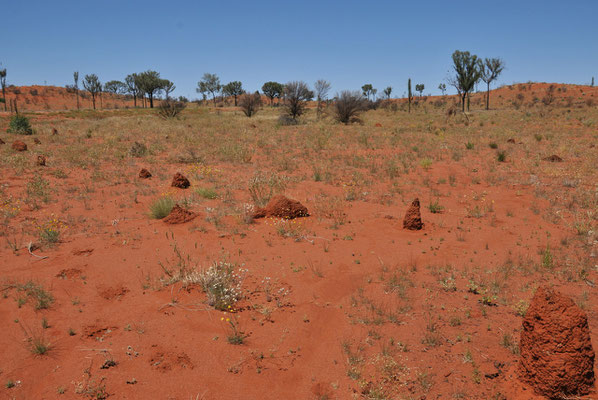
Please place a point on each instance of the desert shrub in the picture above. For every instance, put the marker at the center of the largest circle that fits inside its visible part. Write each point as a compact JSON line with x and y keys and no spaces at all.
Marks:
{"x":170,"y":108}
{"x":348,"y":106}
{"x":222,"y":284}
{"x":262,"y":187}
{"x":501,"y":156}
{"x":250,"y":103}
{"x":20,"y":125}
{"x":286,"y":120}
{"x":297,"y":94}
{"x":138,"y":149}
{"x":206,"y":193}
{"x":161,"y":207}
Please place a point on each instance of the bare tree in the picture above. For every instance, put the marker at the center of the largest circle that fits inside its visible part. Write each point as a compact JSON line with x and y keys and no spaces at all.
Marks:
{"x":322,"y":88}
{"x":491,"y":68}
{"x":297,"y":93}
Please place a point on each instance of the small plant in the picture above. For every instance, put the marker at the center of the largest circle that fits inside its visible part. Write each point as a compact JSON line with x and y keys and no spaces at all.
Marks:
{"x":493,"y":145}
{"x":222,"y":284}
{"x":38,"y":188}
{"x":10,"y":384}
{"x":138,"y":150}
{"x":262,"y":187}
{"x":501,"y":156}
{"x":469,"y":146}
{"x":206,"y":193}
{"x":435,"y":207}
{"x":20,"y":125}
{"x":161,"y":207}
{"x":236,"y":336}
{"x":49,"y":233}
{"x":425,"y":163}
{"x":547,"y":261}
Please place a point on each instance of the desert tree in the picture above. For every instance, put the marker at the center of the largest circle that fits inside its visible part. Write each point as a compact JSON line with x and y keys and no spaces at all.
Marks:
{"x":116,"y":87}
{"x":348,"y":105}
{"x":592,"y":81}
{"x":233,"y":89}
{"x":250,"y":103}
{"x":92,"y":84}
{"x":168,"y":87}
{"x":367,"y":90}
{"x":490,"y":69}
{"x":76,"y":86}
{"x":387,"y":92}
{"x":131,"y":87}
{"x":150,"y":83}
{"x":420,"y":88}
{"x":442,"y":88}
{"x":272,"y":90}
{"x":467,"y":69}
{"x":297,"y":93}
{"x":409,"y":94}
{"x":3,"y":83}
{"x":322,"y":88}
{"x":209,"y":83}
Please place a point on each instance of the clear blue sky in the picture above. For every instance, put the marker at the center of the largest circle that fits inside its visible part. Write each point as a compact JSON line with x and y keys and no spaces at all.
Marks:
{"x":347,"y":42}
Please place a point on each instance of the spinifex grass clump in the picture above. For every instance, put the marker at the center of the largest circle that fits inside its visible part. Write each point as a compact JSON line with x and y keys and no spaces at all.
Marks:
{"x":161,"y":207}
{"x":20,"y":125}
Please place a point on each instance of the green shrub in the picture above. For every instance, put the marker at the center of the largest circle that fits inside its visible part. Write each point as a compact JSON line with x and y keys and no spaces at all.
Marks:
{"x":161,"y":207}
{"x":20,"y":125}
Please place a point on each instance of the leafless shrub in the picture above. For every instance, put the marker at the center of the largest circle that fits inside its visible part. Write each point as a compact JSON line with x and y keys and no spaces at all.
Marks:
{"x":250,"y":103}
{"x":348,"y":105}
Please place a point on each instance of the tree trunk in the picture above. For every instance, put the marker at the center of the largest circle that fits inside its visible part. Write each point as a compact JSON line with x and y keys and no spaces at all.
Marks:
{"x":488,"y":97}
{"x":409,"y":109}
{"x":135,"y":100}
{"x":463,"y":102}
{"x":77,"y":92}
{"x":151,"y":100}
{"x":93,"y":101}
{"x":4,"y":96}
{"x":235,"y":100}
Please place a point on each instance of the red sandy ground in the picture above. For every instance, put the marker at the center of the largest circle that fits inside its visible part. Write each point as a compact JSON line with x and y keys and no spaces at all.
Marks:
{"x":168,"y":344}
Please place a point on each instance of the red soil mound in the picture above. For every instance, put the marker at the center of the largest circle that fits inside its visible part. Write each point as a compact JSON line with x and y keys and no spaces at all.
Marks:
{"x":179,"y":215}
{"x":37,"y":141}
{"x":553,"y":158}
{"x":54,"y":131}
{"x":557,"y":358}
{"x":144,"y":174}
{"x":19,"y":146}
{"x":41,"y":160}
{"x":282,"y":207}
{"x":1,"y":141}
{"x":413,"y":219}
{"x":180,"y":181}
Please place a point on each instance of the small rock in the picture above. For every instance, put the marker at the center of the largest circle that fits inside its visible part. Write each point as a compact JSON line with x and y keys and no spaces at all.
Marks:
{"x":19,"y":146}
{"x":144,"y":174}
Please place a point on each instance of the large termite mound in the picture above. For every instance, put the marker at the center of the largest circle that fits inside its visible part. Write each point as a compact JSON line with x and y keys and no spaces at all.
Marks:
{"x":413,"y":219}
{"x":282,"y":207}
{"x":180,"y":181}
{"x":557,"y":358}
{"x":179,"y":215}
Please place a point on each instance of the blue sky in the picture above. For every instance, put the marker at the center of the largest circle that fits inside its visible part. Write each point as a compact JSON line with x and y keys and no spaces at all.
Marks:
{"x":348,"y":42}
